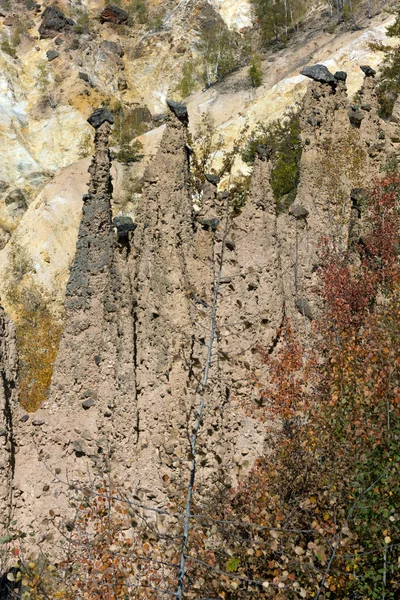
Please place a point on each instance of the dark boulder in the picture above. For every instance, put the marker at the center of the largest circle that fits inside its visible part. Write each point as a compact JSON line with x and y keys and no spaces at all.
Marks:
{"x":369,"y":71}
{"x":209,"y":224}
{"x":100,"y":116}
{"x":319,"y":73}
{"x":341,"y":76}
{"x":180,"y":111}
{"x":114,"y":14}
{"x":52,"y":55}
{"x":356,"y":115}
{"x":74,"y":44}
{"x":211,"y":178}
{"x":304,"y":308}
{"x":86,"y":404}
{"x":124,"y":226}
{"x":54,"y":21}
{"x":298,"y":212}
{"x":84,"y":76}
{"x":112,"y":48}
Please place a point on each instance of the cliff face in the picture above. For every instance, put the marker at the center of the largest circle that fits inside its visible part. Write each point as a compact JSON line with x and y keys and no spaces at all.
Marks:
{"x":140,"y":305}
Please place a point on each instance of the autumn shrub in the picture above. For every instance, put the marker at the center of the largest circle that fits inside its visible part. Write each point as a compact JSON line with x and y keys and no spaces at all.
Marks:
{"x":318,"y":517}
{"x":281,"y":139}
{"x":102,"y":552}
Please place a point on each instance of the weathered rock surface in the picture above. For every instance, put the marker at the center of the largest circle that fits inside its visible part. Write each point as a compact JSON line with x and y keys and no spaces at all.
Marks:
{"x":8,"y":402}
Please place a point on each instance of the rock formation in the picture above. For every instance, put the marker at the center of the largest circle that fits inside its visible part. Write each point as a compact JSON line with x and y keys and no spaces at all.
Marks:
{"x":8,"y":401}
{"x":141,"y":302}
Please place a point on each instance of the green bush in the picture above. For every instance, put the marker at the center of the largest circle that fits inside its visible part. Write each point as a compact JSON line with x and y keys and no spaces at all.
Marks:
{"x":129,"y":152}
{"x":388,"y":87}
{"x":82,"y":21}
{"x":281,"y":139}
{"x":255,"y":71}
{"x":138,"y":11}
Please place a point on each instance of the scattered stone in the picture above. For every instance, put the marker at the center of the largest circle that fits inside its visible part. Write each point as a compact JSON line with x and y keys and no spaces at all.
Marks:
{"x":340,"y":75}
{"x":24,"y":418}
{"x":84,"y":76}
{"x":53,"y":21}
{"x":114,"y":14}
{"x":97,"y":359}
{"x":124,"y":226}
{"x":100,"y":116}
{"x":211,"y":178}
{"x":38,"y":422}
{"x":3,"y":432}
{"x":209,"y":223}
{"x":80,"y":446}
{"x":223,"y":195}
{"x":319,"y":73}
{"x":112,"y":48}
{"x":366,"y":107}
{"x":58,"y":41}
{"x":86,"y":404}
{"x":382,"y":135}
{"x":356,"y":115}
{"x":369,"y":71}
{"x":298,"y":211}
{"x":304,"y":308}
{"x":180,"y":111}
{"x":225,"y":280}
{"x":52,"y":55}
{"x":74,"y":44}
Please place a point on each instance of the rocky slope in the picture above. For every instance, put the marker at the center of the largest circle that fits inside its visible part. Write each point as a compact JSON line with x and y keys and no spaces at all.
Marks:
{"x":140,"y":303}
{"x":139,"y":313}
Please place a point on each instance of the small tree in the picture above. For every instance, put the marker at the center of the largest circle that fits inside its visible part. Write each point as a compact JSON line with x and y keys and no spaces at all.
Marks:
{"x":255,"y":71}
{"x":218,"y":48}
{"x":45,"y":83}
